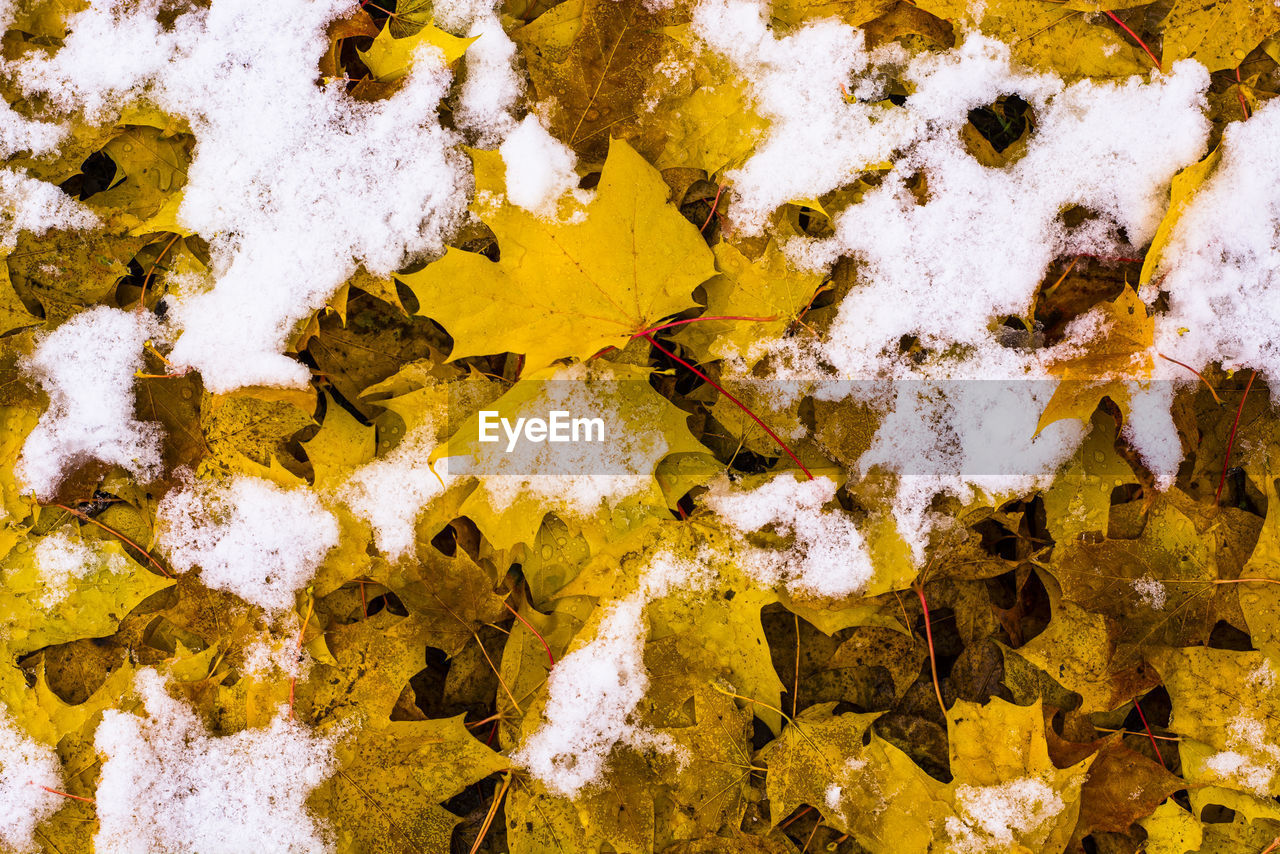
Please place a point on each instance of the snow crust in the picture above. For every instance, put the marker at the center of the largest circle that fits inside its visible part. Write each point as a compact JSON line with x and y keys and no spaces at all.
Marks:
{"x":87,"y":368}
{"x":169,"y":787}
{"x":292,"y":183}
{"x":62,"y":559}
{"x":593,"y":692}
{"x":829,"y":556}
{"x":249,"y":536}
{"x":27,"y":769}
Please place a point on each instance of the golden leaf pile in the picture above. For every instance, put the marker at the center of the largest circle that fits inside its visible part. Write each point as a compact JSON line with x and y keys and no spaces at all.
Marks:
{"x":1075,"y":662}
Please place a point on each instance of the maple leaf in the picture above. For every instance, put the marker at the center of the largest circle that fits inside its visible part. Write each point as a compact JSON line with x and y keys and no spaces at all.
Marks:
{"x":600,"y":79}
{"x":568,"y":289}
{"x":91,"y":605}
{"x":1117,"y":353}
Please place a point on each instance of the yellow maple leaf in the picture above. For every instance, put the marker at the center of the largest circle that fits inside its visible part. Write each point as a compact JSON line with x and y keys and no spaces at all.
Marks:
{"x":571,"y":288}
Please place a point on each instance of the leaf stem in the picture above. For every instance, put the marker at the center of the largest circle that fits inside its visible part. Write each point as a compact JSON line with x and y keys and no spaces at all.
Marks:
{"x":530,"y":627}
{"x":67,"y":795}
{"x":302,"y":631}
{"x":651,"y":329}
{"x":1244,"y":107}
{"x":85,"y":517}
{"x":781,"y":444}
{"x":1134,"y":36}
{"x":933,"y":661}
{"x":1231,"y":441}
{"x":714,"y":204}
{"x":142,"y":297}
{"x":1207,"y":384}
{"x":493,"y":811}
{"x":1142,"y":716}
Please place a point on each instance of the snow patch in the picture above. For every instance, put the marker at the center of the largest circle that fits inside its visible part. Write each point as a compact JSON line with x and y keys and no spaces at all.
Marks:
{"x":27,"y":770}
{"x":989,"y":817}
{"x":1221,"y":267}
{"x":389,"y":493}
{"x":293,"y":184}
{"x":87,"y":367}
{"x":539,"y":168}
{"x":62,"y":559}
{"x":249,"y":536}
{"x":1151,"y":591}
{"x":169,"y":787}
{"x":593,"y":691}
{"x":829,"y":556}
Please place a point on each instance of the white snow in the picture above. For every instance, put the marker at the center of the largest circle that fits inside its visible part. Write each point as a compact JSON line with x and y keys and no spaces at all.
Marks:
{"x":278,"y":655}
{"x":169,"y":787}
{"x":989,"y":817}
{"x":86,"y":366}
{"x":1151,"y":591}
{"x":970,"y":438}
{"x":1149,"y":429}
{"x":28,"y":204}
{"x":539,"y":168}
{"x":389,"y":493}
{"x":62,"y":559}
{"x":27,"y":771}
{"x":1221,"y":268}
{"x":593,"y":691}
{"x":292,"y":183}
{"x":828,"y":557}
{"x":248,"y":536}
{"x":947,"y":269}
{"x":492,"y":88}
{"x":978,"y":248}
{"x":816,"y":141}
{"x":1251,"y":759}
